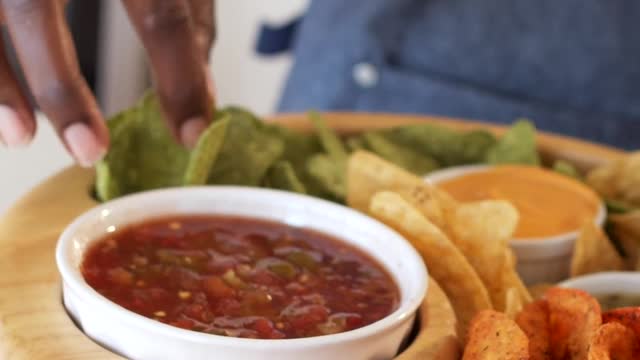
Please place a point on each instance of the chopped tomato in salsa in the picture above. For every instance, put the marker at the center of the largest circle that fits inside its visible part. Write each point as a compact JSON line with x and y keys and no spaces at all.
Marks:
{"x":240,"y":277}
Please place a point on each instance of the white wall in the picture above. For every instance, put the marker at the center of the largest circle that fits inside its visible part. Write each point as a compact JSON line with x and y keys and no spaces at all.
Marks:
{"x":241,"y":79}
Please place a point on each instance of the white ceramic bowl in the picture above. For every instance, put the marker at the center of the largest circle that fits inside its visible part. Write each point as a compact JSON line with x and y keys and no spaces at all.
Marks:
{"x":606,"y":283}
{"x":540,"y":260}
{"x":138,"y":337}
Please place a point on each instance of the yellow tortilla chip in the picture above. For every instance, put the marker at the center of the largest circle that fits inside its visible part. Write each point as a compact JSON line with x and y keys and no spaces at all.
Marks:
{"x":513,"y":291}
{"x":448,"y":207}
{"x":513,"y":303}
{"x":618,"y":180}
{"x":368,"y":174}
{"x":626,"y":230}
{"x":628,"y":223}
{"x":437,"y":339}
{"x":445,"y":262}
{"x":511,"y":278}
{"x":603,"y":179}
{"x":594,"y":252}
{"x":629,"y":180}
{"x":482,"y":230}
{"x":631,"y":250}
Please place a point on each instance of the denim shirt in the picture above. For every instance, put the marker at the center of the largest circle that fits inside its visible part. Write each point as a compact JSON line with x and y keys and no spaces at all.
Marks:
{"x":571,"y":66}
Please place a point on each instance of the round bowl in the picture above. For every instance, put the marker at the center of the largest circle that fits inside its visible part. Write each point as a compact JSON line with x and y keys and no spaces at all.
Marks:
{"x":540,"y":260}
{"x":606,"y":283}
{"x":137,"y":337}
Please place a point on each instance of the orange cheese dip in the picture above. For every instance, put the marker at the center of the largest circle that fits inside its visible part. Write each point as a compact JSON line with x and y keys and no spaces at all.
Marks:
{"x":549,"y":203}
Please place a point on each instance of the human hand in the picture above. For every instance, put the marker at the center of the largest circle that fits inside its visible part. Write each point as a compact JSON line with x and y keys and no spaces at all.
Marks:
{"x":177,"y":36}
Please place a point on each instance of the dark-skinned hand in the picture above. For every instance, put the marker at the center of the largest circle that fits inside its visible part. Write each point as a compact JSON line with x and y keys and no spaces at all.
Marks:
{"x":177,"y":36}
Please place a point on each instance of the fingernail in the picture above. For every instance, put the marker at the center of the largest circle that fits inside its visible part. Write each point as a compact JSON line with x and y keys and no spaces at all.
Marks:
{"x":13,"y":131}
{"x":84,"y":144}
{"x":191,"y":130}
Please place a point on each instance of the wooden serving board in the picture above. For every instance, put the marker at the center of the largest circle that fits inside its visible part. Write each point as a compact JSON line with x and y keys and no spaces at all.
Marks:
{"x":33,"y":322}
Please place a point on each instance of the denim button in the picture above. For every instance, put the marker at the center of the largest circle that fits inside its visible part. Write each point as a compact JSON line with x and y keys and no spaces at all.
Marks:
{"x":365,"y":75}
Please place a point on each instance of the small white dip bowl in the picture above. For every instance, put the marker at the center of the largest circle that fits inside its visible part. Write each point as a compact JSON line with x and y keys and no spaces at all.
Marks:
{"x":138,"y":337}
{"x":540,"y":260}
{"x":607,"y":283}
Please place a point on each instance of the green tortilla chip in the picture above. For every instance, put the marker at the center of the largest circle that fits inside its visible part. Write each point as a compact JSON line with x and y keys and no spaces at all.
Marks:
{"x":331,"y":175}
{"x":565,"y":168}
{"x":355,"y":143}
{"x":239,"y":149}
{"x":282,"y":176}
{"x":298,"y":148}
{"x":108,"y":185}
{"x":162,"y":160}
{"x":517,"y":146}
{"x":326,"y":172}
{"x":247,"y":153}
{"x":238,"y":111}
{"x":330,"y":142}
{"x":446,"y":146}
{"x":402,"y":156}
{"x":206,"y":152}
{"x":474,"y":146}
{"x":143,"y":154}
{"x":617,"y":207}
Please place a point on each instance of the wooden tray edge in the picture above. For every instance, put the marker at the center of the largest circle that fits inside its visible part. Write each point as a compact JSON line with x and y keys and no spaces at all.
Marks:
{"x":29,"y":229}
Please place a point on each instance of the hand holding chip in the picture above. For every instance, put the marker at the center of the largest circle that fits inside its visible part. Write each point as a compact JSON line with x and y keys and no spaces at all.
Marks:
{"x":177,"y":35}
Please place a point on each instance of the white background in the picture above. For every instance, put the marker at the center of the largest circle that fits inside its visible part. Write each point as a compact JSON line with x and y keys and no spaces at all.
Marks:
{"x":241,"y":78}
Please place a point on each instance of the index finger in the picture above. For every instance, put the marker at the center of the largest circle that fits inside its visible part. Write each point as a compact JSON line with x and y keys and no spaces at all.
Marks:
{"x":47,"y":55}
{"x":167,"y":31}
{"x":203,"y":14}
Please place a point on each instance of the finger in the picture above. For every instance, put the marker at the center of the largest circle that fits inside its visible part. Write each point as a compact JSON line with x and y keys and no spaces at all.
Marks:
{"x":167,"y":32}
{"x":203,"y":15}
{"x":45,"y":51}
{"x":17,"y":123}
{"x":204,"y":19}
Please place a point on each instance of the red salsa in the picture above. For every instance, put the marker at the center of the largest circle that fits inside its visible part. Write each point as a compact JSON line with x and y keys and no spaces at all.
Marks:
{"x":240,"y":277}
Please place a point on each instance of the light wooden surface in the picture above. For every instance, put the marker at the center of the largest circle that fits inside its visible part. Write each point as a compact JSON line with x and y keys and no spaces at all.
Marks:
{"x":33,"y":323}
